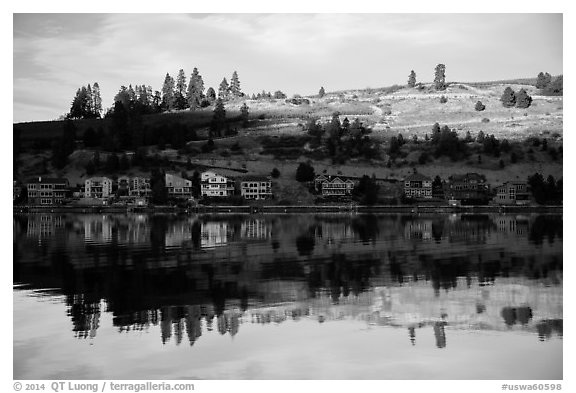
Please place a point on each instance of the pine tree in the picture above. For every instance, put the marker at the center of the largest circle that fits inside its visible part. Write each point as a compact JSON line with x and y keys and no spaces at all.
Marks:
{"x":195,"y":92}
{"x":244,"y":114}
{"x":523,"y":100}
{"x":211,"y":95}
{"x":440,"y":77}
{"x":97,"y":99}
{"x":508,"y":97}
{"x":321,"y":92}
{"x":168,"y":98}
{"x":223,"y":90}
{"x":544,"y":79}
{"x":412,"y":79}
{"x":219,"y":117}
{"x":235,"y":85}
{"x":180,"y":93}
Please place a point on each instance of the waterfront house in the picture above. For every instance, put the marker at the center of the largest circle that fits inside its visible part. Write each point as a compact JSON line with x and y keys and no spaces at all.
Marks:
{"x":178,"y":187}
{"x":512,"y":193}
{"x":98,"y":187}
{"x":471,"y":187}
{"x":334,"y":186}
{"x":256,"y":187}
{"x":46,"y":190}
{"x":418,"y":186}
{"x":216,"y":185}
{"x":139,"y":186}
{"x":16,"y":191}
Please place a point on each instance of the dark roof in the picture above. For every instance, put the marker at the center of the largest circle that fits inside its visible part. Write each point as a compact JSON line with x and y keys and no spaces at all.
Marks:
{"x":467,"y":177}
{"x":47,"y":180}
{"x":417,"y":177}
{"x":255,"y":178}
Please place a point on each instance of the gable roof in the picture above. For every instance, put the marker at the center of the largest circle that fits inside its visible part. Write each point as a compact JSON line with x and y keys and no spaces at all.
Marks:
{"x":47,"y":180}
{"x":417,"y":177}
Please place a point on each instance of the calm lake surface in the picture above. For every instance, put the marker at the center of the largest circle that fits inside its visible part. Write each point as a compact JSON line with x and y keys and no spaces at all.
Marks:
{"x":453,"y":296}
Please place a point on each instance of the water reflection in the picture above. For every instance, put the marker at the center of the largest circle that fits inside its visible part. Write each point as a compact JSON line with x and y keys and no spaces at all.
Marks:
{"x":195,"y":274}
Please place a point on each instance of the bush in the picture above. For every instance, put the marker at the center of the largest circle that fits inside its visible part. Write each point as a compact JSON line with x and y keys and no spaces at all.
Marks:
{"x":523,"y":100}
{"x":443,"y":100}
{"x":508,"y":98}
{"x":485,"y":120}
{"x":275,"y":173}
{"x":479,"y":106}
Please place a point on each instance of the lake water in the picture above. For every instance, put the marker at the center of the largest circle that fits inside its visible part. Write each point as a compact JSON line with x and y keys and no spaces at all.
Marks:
{"x":287,"y":296}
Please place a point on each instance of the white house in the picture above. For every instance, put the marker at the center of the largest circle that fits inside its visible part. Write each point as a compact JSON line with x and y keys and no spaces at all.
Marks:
{"x":98,"y":187}
{"x":216,"y":185}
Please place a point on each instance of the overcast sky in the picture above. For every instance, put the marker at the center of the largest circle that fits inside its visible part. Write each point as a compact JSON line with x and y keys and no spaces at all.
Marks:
{"x":55,"y":54}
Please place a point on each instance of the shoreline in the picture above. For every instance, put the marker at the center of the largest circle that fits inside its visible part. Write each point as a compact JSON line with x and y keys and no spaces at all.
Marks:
{"x":272,"y":209}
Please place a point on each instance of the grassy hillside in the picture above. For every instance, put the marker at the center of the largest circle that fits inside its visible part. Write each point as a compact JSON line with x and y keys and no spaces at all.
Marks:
{"x":387,"y":111}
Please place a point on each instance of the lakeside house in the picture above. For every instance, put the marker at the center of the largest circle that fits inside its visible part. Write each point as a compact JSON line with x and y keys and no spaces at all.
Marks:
{"x":334,"y":186}
{"x":418,"y":186}
{"x":213,"y":184}
{"x":16,"y":190}
{"x":256,"y":187}
{"x":46,"y":190}
{"x":512,"y":193}
{"x":98,"y":187}
{"x":467,"y":187}
{"x":178,"y":187}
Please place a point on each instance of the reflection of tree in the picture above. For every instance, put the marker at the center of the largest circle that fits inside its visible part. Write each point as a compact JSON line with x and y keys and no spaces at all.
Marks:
{"x":366,"y":227}
{"x":305,"y":244}
{"x":549,"y":226}
{"x":513,"y":315}
{"x":440,"y":334}
{"x":546,"y":327}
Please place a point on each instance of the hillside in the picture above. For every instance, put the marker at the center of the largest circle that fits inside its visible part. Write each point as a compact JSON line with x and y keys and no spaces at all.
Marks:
{"x":388,"y":112}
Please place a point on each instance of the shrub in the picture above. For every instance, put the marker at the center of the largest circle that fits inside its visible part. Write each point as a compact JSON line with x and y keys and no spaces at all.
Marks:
{"x":485,"y":120}
{"x":443,"y":100}
{"x":275,"y":173}
{"x":523,"y":100}
{"x":479,"y":106}
{"x":508,"y":97}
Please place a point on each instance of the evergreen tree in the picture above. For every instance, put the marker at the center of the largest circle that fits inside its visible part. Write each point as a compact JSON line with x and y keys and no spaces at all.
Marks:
{"x":219,"y":118}
{"x":244,"y":114}
{"x":195,"y":92}
{"x":168,"y":97}
{"x":440,"y":77}
{"x":158,"y":184}
{"x":412,"y":79}
{"x":180,"y":101}
{"x":235,"y":85}
{"x":480,"y":137}
{"x":556,"y":88}
{"x":523,"y":100}
{"x":211,"y":95}
{"x":277,"y":95}
{"x":275,"y":173}
{"x":544,"y":79}
{"x":321,"y":92}
{"x":97,"y":100}
{"x":304,"y":172}
{"x":223,"y":90}
{"x":508,"y":97}
{"x":68,"y":140}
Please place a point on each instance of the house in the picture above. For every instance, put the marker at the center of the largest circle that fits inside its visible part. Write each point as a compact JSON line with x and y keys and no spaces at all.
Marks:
{"x":47,"y":191}
{"x":17,"y":190}
{"x":215,"y":185}
{"x":467,"y":187}
{"x":178,"y":187}
{"x":134,"y":186}
{"x":418,"y":186}
{"x":512,"y":193}
{"x":256,"y":187}
{"x":139,"y":186}
{"x":98,"y":187}
{"x":334,"y":186}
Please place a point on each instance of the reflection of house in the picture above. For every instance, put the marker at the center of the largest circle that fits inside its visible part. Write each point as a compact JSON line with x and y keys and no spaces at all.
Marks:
{"x":98,"y":187}
{"x":470,"y":186}
{"x":177,"y":234}
{"x":418,"y":230}
{"x":43,"y":225}
{"x":178,"y":186}
{"x":46,"y":191}
{"x":256,"y":187}
{"x":215,"y":185}
{"x":214,"y":233}
{"x":512,"y":193}
{"x":97,"y":229}
{"x":418,"y":186}
{"x":333,"y":186}
{"x":255,"y":229}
